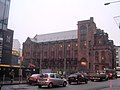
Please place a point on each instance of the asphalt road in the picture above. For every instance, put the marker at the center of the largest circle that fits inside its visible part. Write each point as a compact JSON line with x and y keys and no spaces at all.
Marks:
{"x":104,"y":85}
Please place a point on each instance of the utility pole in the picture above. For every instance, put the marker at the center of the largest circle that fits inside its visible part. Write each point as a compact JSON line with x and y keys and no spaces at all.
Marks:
{"x":64,"y":58}
{"x":41,"y":58}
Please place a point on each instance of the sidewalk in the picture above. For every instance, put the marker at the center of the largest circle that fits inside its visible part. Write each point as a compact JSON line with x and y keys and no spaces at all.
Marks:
{"x":15,"y":82}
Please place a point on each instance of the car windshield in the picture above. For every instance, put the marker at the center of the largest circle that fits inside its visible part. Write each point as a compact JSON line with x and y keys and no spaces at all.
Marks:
{"x":44,"y":76}
{"x":73,"y":75}
{"x":35,"y":75}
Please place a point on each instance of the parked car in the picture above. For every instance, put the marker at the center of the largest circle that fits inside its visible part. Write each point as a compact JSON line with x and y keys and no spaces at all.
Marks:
{"x":112,"y":74}
{"x":118,"y":72}
{"x":32,"y":80}
{"x":86,"y":75}
{"x":78,"y":78}
{"x":98,"y":76}
{"x":51,"y":79}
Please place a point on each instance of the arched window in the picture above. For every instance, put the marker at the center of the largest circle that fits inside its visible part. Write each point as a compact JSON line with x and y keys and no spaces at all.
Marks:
{"x":83,"y":30}
{"x":97,"y":57}
{"x":96,"y":67}
{"x":103,"y":58}
{"x":83,"y":37}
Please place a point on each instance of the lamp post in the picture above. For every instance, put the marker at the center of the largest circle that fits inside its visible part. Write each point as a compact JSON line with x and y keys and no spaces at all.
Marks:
{"x":117,"y":22}
{"x":111,"y":2}
{"x":64,"y":58}
{"x":41,"y":58}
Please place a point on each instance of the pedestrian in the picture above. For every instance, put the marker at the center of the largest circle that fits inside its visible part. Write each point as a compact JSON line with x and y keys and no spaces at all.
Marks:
{"x":11,"y":76}
{"x":0,"y":86}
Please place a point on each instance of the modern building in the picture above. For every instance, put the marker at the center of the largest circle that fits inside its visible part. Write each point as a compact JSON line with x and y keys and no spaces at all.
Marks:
{"x":7,"y":46}
{"x":117,"y":56}
{"x":84,"y":49}
{"x":6,"y":35}
{"x":16,"y":45}
{"x":16,"y":52}
{"x":1,"y":46}
{"x":4,"y":13}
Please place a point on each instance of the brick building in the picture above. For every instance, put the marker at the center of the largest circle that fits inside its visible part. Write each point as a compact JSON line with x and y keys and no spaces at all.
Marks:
{"x":86,"y":48}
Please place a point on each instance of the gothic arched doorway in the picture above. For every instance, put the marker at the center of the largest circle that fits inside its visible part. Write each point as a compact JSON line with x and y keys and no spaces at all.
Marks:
{"x":83,"y":65}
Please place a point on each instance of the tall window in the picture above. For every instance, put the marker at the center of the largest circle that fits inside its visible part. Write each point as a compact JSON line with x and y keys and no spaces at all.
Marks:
{"x":76,"y":53}
{"x":52,"y":54}
{"x":45,"y":54}
{"x":68,"y":53}
{"x":83,"y":37}
{"x":83,"y":30}
{"x":96,"y":57}
{"x":60,"y":54}
{"x":103,"y":58}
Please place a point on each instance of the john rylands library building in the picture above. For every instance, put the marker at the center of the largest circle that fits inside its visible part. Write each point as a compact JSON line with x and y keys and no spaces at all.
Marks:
{"x":85,"y":49}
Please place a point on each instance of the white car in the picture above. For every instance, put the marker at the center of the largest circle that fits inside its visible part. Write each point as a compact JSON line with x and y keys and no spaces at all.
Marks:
{"x":51,"y":79}
{"x":118,"y":74}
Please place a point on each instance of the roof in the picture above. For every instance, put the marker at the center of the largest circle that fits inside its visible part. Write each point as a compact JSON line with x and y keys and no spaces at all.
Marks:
{"x":66,"y":35}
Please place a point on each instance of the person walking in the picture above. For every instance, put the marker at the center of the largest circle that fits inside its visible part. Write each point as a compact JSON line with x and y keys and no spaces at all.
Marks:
{"x":12,"y":76}
{"x":0,"y":86}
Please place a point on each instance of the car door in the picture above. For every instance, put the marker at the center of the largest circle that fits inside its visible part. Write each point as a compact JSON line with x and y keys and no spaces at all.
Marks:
{"x":53,"y":79}
{"x":80,"y":78}
{"x":59,"y":79}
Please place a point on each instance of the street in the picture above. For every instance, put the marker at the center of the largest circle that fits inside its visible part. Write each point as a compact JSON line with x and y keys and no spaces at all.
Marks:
{"x":104,"y":85}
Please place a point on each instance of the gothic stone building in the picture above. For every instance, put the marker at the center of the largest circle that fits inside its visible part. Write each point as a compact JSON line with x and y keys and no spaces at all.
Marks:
{"x":86,"y":48}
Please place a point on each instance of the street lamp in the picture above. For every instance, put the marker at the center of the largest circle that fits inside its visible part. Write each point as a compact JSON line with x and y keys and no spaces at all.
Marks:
{"x":65,"y":58}
{"x":111,"y":2}
{"x":116,"y":18}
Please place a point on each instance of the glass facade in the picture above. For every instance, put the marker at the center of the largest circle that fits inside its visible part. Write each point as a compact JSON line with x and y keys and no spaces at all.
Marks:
{"x":4,"y":13}
{"x":7,"y":46}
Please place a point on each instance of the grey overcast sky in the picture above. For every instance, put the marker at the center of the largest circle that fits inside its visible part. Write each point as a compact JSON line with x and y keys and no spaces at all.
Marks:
{"x":30,"y":17}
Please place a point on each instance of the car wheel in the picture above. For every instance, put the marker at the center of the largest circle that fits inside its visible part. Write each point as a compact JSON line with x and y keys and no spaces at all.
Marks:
{"x":69,"y":82}
{"x":107,"y":79}
{"x":78,"y":82}
{"x":86,"y":81}
{"x":64,"y":84}
{"x":50,"y":85}
{"x":39,"y":86}
{"x":92,"y":80}
{"x":30,"y":83}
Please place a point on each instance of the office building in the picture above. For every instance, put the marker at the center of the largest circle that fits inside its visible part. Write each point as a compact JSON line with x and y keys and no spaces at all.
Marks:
{"x":6,"y":35}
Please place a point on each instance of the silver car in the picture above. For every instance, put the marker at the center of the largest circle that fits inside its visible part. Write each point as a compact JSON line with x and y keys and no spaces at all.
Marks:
{"x":51,"y":79}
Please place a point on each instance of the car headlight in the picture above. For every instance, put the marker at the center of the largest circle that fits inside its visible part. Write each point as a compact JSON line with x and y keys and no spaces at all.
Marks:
{"x":38,"y":80}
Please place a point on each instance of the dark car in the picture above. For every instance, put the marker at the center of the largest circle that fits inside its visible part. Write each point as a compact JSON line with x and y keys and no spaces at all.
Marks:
{"x":78,"y":78}
{"x":33,"y":79}
{"x":111,"y":73}
{"x":98,"y":76}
